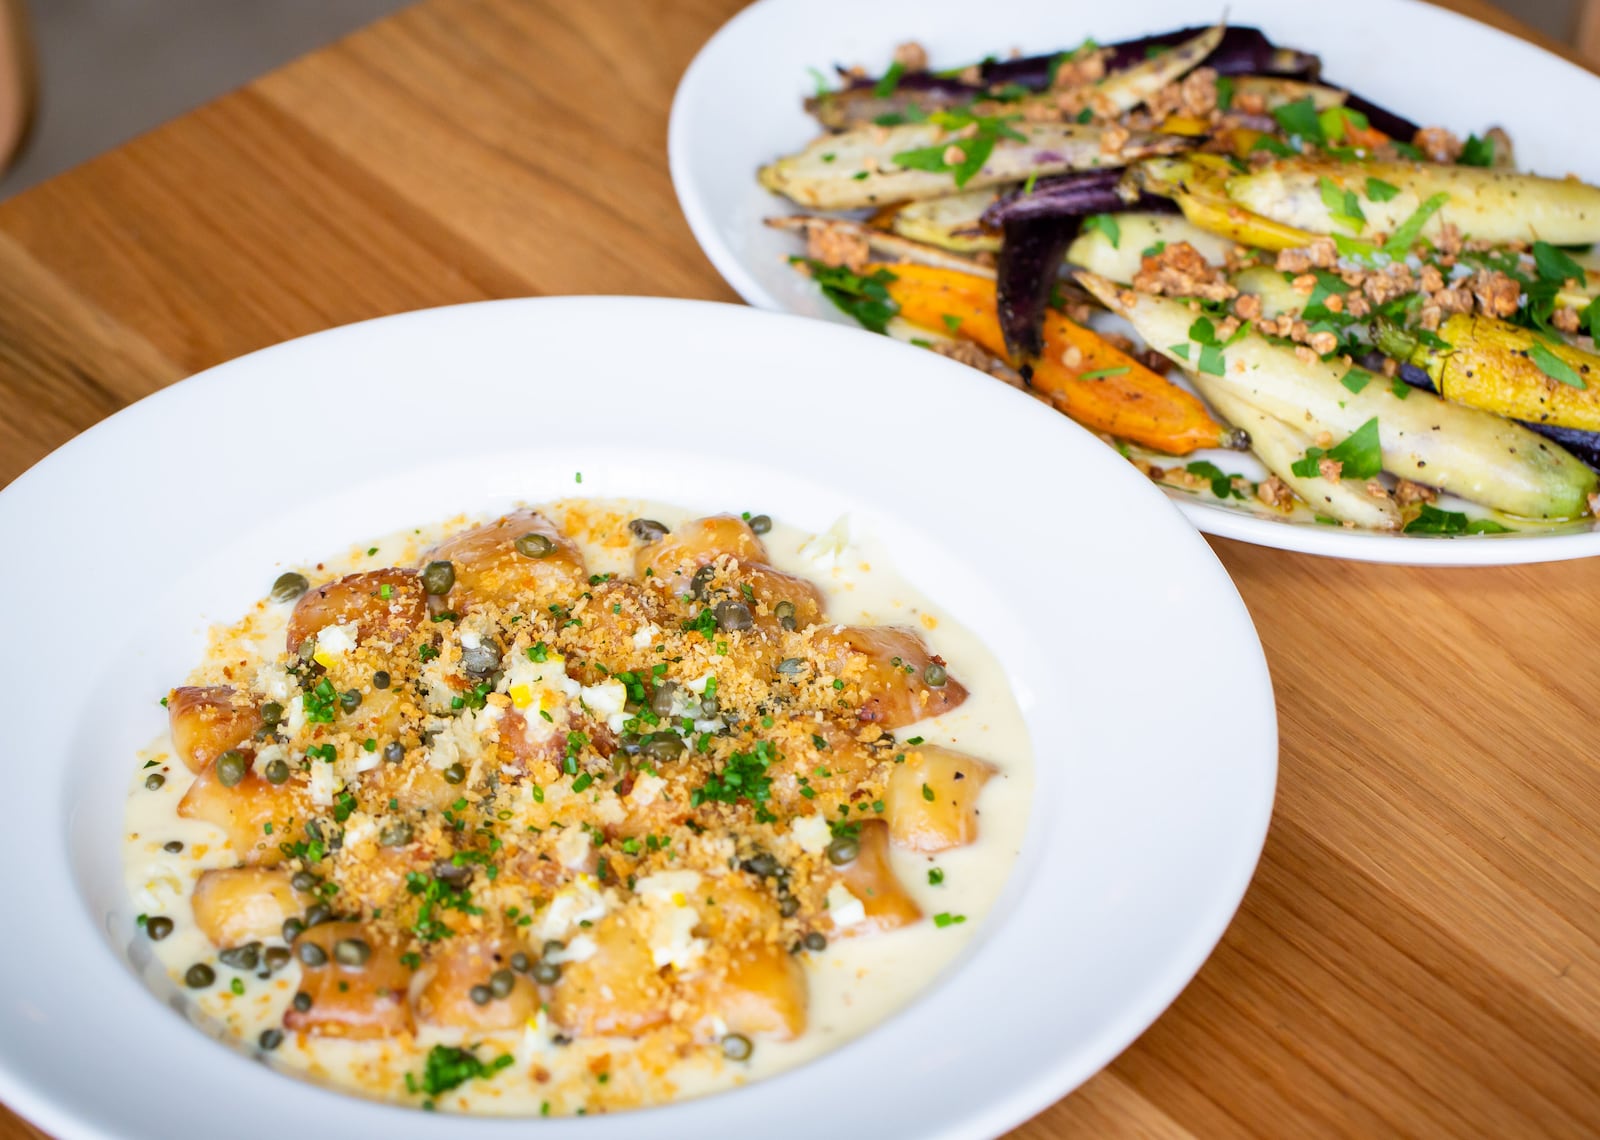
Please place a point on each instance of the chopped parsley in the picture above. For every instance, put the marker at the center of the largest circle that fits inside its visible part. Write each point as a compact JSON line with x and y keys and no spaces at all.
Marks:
{"x":1103,"y":373}
{"x":1476,"y":152}
{"x":448,"y":1067}
{"x":1221,"y":482}
{"x":1343,"y":205}
{"x":935,"y":877}
{"x":1380,"y":191}
{"x":974,"y":151}
{"x":1356,"y":379}
{"x":743,"y":777}
{"x":1407,"y":232}
{"x":944,"y":919}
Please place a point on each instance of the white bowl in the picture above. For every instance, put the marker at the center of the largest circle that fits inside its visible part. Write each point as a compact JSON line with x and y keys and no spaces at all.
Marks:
{"x":739,"y":106}
{"x":1153,"y":792}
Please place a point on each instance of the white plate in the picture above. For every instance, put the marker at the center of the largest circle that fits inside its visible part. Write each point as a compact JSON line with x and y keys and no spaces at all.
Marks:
{"x":1152,"y":798}
{"x":739,"y":106}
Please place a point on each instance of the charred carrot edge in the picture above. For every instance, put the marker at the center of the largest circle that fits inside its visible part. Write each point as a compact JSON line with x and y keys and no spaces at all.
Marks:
{"x":1124,"y":398}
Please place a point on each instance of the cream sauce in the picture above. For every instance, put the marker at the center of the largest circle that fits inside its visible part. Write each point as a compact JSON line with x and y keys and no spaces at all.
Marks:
{"x":854,"y":984}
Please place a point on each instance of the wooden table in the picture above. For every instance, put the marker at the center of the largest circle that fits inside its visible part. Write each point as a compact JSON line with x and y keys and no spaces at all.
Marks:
{"x":1420,"y":952}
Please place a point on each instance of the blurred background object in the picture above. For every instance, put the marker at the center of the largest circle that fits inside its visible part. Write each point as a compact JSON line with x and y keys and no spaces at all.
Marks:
{"x":106,"y":70}
{"x":111,"y":69}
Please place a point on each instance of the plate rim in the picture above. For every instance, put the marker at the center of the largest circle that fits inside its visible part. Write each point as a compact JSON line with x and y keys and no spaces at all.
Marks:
{"x":1242,"y":526}
{"x":70,"y":1119}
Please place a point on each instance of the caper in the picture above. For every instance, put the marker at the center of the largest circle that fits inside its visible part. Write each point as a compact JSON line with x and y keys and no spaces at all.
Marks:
{"x":784,"y":611}
{"x":311,"y":954}
{"x":480,"y":995}
{"x":737,"y":1047}
{"x":277,"y":771}
{"x":449,"y":872}
{"x":815,"y":941}
{"x":230,"y":768}
{"x":664,"y":746}
{"x":173,"y":845}
{"x":454,"y":774}
{"x":270,"y":1039}
{"x":647,"y":530}
{"x":158,"y":927}
{"x":553,"y":946}
{"x":305,"y":881}
{"x":307,"y":650}
{"x":271,"y":714}
{"x":661,"y":700}
{"x":702,"y":579}
{"x":733,"y":616}
{"x":394,"y":752}
{"x":314,"y":830}
{"x":843,"y":850}
{"x":276,"y":958}
{"x":791,"y":665}
{"x":381,"y":679}
{"x":762,"y":864}
{"x":546,"y":972}
{"x":936,"y":675}
{"x":292,"y":928}
{"x":154,"y":781}
{"x":199,"y":976}
{"x":788,"y":906}
{"x":480,"y":660}
{"x":535,"y":545}
{"x":351,"y":952}
{"x":246,"y":957}
{"x":350,"y":700}
{"x":289,"y":586}
{"x":520,"y":962}
{"x":395,"y":833}
{"x":302,"y":1001}
{"x":709,"y":706}
{"x":761,"y":524}
{"x":502,"y":982}
{"x":318,"y":913}
{"x":438,"y":577}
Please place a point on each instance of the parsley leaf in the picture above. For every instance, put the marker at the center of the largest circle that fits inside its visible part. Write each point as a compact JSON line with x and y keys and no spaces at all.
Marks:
{"x":1221,"y":482}
{"x":1476,"y":152}
{"x":1356,"y":379}
{"x":885,"y":87}
{"x":1225,"y":86}
{"x":1107,"y":225}
{"x":1553,"y":265}
{"x":1300,"y":118}
{"x":1343,"y":205}
{"x":1360,"y":454}
{"x":1553,"y":366}
{"x":1407,"y":232}
{"x":864,"y":298}
{"x":1434,"y":521}
{"x":1381,"y":191}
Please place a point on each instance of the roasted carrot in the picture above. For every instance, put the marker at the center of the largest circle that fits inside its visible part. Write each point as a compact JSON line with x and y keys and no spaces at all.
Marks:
{"x":1083,"y":375}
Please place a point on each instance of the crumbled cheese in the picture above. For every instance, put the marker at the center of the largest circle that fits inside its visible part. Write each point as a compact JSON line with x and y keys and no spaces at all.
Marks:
{"x":573,"y":847}
{"x":607,"y":700}
{"x":540,"y":687}
{"x":580,"y":949}
{"x":608,"y":809}
{"x":646,"y":790}
{"x":162,"y":888}
{"x":333,"y":642}
{"x":325,"y":783}
{"x":646,"y":635}
{"x":825,"y":551}
{"x":578,"y":901}
{"x":844,"y":908}
{"x":811,"y":833}
{"x":667,"y":896}
{"x":460,"y":739}
{"x":275,"y":684}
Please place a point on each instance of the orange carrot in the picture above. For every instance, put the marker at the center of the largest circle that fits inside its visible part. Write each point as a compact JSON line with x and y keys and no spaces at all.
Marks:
{"x":1120,"y":396}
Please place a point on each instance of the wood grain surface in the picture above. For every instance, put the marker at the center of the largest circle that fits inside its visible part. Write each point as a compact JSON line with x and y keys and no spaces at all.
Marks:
{"x":1420,"y":952}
